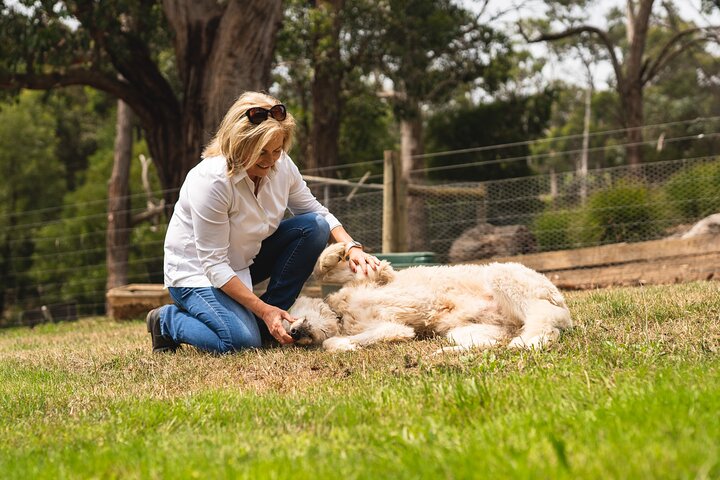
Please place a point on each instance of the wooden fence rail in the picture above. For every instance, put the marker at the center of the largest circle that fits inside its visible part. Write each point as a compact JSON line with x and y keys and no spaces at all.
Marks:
{"x":665,"y":261}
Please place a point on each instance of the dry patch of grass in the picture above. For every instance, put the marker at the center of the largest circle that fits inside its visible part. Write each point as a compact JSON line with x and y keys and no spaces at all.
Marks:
{"x":681,"y":320}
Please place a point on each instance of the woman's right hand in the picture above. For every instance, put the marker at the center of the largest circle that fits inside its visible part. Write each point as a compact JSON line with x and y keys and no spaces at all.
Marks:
{"x":273,"y":318}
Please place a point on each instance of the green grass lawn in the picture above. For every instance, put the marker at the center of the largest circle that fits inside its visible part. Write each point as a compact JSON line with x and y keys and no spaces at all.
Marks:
{"x":633,"y":391}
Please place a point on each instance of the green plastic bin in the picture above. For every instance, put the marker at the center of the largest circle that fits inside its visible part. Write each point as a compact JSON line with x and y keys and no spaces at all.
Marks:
{"x":397,"y":260}
{"x":408,"y":259}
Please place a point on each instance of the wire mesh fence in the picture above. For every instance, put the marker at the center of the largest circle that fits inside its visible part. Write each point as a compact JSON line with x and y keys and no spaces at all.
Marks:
{"x":58,"y":258}
{"x":552,"y":211}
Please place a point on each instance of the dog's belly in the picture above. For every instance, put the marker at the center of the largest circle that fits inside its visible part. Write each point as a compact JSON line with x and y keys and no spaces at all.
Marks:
{"x":466,"y":309}
{"x":427,"y":312}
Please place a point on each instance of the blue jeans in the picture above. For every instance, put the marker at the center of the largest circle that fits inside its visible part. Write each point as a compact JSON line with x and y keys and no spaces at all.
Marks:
{"x":212,"y":321}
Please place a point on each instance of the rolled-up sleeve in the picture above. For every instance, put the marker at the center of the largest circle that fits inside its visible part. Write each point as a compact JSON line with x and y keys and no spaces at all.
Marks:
{"x":301,"y":199}
{"x":209,"y":206}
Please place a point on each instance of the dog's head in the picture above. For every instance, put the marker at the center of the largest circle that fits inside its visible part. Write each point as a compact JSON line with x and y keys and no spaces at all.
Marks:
{"x":332,"y":267}
{"x":315,"y":322}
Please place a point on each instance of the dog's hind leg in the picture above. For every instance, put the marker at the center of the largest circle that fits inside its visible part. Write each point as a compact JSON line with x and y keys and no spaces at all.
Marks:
{"x":542,"y":325}
{"x":381,"y":332}
{"x":474,"y":336}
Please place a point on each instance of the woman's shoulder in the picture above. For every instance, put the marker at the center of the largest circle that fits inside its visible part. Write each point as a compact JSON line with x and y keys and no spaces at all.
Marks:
{"x":213,"y":164}
{"x":286,"y":164}
{"x":210,"y":173}
{"x":211,"y":167}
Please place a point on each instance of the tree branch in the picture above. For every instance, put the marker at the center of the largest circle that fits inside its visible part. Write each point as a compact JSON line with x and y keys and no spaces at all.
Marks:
{"x":129,"y":55}
{"x":69,"y":77}
{"x":76,"y":76}
{"x":667,"y":54}
{"x":604,"y":38}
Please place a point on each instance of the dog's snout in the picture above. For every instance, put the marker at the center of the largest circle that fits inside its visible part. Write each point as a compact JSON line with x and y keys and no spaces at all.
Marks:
{"x":296,"y":331}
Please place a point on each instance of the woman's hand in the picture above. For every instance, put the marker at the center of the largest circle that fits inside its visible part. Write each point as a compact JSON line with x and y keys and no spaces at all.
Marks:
{"x":359,"y":260}
{"x":273,"y":318}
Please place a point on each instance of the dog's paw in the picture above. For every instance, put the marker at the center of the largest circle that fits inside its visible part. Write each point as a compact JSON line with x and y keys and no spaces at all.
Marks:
{"x":537,"y":342}
{"x":453,"y":349}
{"x":517,"y":342}
{"x":339,"y":344}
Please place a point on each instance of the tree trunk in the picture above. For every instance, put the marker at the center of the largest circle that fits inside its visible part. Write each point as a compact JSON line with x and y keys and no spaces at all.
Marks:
{"x":411,"y":144}
{"x":8,"y":285}
{"x":632,"y":100}
{"x":7,"y":277}
{"x":583,"y":167}
{"x":118,"y":226}
{"x":326,"y":87}
{"x":222,"y":49}
{"x":631,"y":90}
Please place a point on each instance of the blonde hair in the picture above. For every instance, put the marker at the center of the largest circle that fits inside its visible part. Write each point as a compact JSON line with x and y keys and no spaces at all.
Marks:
{"x":240,"y":141}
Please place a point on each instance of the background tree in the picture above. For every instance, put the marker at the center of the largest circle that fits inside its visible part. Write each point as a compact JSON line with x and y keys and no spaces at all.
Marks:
{"x":69,"y":258}
{"x":427,"y":50}
{"x":220,"y":49}
{"x":327,"y":83}
{"x":323,"y":54}
{"x":118,"y":209}
{"x":635,"y":63}
{"x":27,"y":160}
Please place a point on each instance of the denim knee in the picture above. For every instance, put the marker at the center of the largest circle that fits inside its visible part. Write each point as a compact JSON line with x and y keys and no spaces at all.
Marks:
{"x":316,"y":228}
{"x":241,"y":342}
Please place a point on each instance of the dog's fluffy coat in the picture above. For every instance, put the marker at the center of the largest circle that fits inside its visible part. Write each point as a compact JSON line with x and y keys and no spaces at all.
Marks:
{"x":471,"y":305}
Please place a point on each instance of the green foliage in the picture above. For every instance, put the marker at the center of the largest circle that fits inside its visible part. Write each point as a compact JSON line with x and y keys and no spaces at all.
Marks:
{"x":694,"y":192}
{"x":367,"y":130}
{"x":501,"y":122}
{"x":66,"y":34}
{"x":627,"y":212}
{"x":69,"y":260}
{"x":366,"y":125}
{"x":560,"y":148}
{"x":78,"y":112}
{"x":556,"y":229}
{"x":430,"y":48}
{"x":32,"y":182}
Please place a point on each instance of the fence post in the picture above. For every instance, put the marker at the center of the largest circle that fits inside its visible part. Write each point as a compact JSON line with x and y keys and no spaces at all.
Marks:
{"x":394,"y":233}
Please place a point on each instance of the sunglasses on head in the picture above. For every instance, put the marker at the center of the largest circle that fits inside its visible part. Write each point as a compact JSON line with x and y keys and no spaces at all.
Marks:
{"x":257,"y":115}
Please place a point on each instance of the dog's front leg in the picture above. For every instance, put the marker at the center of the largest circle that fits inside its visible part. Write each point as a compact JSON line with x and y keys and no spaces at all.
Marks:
{"x":381,"y":332}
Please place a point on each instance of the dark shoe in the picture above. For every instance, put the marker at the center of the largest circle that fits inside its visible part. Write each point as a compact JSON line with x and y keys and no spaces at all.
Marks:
{"x":160,"y":342}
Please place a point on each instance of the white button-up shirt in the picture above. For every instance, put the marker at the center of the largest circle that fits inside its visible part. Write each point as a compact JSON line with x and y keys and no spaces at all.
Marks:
{"x":218,"y":223}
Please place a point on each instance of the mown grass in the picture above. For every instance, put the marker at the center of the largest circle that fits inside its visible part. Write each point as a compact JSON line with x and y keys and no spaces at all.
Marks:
{"x":633,"y":391}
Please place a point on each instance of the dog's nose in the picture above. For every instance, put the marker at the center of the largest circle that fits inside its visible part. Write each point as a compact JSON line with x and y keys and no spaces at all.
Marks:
{"x":295,"y":333}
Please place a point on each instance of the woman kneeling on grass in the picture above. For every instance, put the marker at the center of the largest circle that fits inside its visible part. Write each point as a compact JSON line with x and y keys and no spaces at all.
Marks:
{"x":227,"y":233}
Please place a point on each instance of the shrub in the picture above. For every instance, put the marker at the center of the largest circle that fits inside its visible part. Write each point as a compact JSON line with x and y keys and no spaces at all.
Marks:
{"x":694,"y":193}
{"x":552,"y":229}
{"x":627,"y":212}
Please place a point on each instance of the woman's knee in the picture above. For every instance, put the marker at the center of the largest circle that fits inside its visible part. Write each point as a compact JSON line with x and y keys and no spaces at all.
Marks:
{"x":245,"y":342}
{"x":240,"y":335}
{"x":237,"y":343}
{"x":316,"y":228}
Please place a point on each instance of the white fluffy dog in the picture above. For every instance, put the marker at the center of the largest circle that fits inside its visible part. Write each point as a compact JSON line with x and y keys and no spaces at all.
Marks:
{"x":473,"y":306}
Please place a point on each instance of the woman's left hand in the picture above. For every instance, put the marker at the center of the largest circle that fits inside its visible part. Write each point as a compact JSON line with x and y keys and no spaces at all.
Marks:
{"x":359,"y":260}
